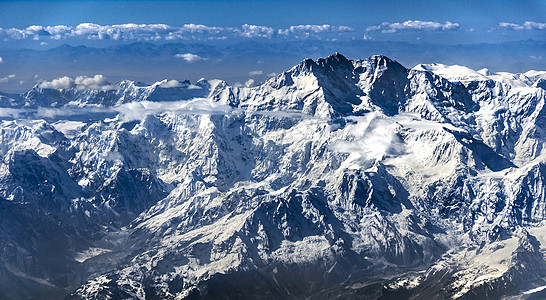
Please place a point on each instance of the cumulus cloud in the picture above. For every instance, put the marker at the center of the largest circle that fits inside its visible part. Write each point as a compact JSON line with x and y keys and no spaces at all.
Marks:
{"x":306,"y":31}
{"x":97,"y":82}
{"x":155,"y":32}
{"x":57,"y":32}
{"x":93,"y":31}
{"x":255,"y":73}
{"x":416,"y":25}
{"x":252,"y":31}
{"x":7,"y":78}
{"x":374,"y":28}
{"x":189,"y":57}
{"x":33,"y":32}
{"x":315,"y":29}
{"x":169,"y":83}
{"x":122,"y":31}
{"x":58,"y":83}
{"x":527,"y":25}
{"x":250,"y":83}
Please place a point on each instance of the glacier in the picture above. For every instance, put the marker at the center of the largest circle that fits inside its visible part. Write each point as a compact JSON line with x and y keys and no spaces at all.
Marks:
{"x":335,"y":179}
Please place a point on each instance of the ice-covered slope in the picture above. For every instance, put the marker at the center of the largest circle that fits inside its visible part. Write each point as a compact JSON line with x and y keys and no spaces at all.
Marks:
{"x":349,"y":178}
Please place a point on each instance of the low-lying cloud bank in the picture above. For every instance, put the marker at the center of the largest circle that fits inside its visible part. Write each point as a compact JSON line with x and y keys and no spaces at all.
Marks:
{"x":127,"y":112}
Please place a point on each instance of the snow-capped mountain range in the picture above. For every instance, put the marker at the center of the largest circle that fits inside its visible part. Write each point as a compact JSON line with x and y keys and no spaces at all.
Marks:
{"x":353,"y":179}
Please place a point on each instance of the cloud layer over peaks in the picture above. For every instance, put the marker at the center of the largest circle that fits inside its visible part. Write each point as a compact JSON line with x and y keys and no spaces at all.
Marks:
{"x":97,"y":82}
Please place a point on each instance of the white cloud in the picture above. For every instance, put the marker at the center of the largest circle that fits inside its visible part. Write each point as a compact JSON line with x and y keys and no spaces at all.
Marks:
{"x":11,"y":112}
{"x":139,"y":110}
{"x":92,"y":31}
{"x":534,"y":25}
{"x":1,"y":60}
{"x":414,"y":25}
{"x":7,"y":78}
{"x":249,"y":83}
{"x":527,"y":25}
{"x":424,"y":25}
{"x":343,"y":28}
{"x":373,"y":137}
{"x":32,"y":32}
{"x":314,"y":28}
{"x":154,"y":32}
{"x":272,"y":74}
{"x":255,"y":73}
{"x":120,"y":31}
{"x":252,"y":31}
{"x":97,"y":82}
{"x":510,"y":25}
{"x":189,"y":57}
{"x":90,"y":81}
{"x":316,"y":31}
{"x":169,"y":83}
{"x":127,"y":112}
{"x":59,"y":83}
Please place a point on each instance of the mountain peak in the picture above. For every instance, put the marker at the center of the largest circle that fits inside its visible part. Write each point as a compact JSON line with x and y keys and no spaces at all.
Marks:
{"x":335,"y":58}
{"x":360,"y":171}
{"x":331,"y":63}
{"x":377,"y":61}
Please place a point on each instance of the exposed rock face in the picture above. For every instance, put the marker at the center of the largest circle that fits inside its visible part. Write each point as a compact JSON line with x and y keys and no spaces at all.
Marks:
{"x":349,"y":178}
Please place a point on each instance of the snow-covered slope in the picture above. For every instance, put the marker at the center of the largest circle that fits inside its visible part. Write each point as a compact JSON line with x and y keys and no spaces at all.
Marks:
{"x":349,"y":178}
{"x":82,"y":93}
